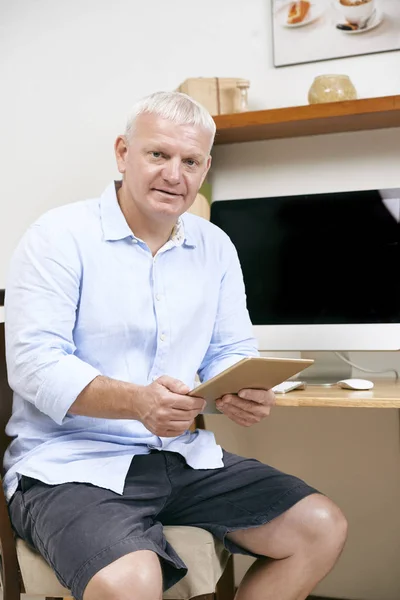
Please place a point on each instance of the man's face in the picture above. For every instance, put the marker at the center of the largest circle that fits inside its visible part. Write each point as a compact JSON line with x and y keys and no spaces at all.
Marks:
{"x":163,"y":166}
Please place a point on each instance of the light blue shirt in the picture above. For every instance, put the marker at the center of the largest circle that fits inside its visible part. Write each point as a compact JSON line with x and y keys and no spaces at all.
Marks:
{"x":84,"y":298}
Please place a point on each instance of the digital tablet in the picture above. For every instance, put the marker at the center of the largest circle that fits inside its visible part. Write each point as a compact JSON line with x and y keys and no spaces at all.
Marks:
{"x":253,"y":372}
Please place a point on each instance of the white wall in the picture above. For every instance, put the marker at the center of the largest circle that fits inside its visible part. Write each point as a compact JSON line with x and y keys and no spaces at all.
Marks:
{"x":69,"y":72}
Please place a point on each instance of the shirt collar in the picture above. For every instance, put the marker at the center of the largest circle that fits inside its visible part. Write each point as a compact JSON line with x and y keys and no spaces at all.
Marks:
{"x":178,"y":233}
{"x":115,"y":226}
{"x":188,"y":239}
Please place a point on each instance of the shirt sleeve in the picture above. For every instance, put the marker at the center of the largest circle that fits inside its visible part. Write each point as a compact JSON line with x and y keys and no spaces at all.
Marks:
{"x":42,"y":297}
{"x":232,"y":337}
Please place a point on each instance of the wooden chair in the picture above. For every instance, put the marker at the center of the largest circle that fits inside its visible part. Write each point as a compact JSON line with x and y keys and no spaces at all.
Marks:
{"x":23,"y":570}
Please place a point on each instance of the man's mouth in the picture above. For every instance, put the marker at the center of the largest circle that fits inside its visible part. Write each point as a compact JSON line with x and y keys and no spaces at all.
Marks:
{"x":167,"y":192}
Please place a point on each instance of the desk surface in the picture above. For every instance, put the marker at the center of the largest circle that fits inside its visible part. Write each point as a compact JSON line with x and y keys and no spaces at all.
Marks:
{"x":385,"y":394}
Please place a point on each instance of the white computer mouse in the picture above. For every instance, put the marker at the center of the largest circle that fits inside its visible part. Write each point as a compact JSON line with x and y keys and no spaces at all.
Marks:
{"x":355,"y":384}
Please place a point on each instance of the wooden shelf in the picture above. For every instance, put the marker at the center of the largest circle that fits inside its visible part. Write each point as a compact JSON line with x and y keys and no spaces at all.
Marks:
{"x":316,"y":119}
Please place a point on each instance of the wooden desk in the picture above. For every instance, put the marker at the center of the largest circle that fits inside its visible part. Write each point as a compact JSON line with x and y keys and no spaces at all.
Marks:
{"x":385,"y":394}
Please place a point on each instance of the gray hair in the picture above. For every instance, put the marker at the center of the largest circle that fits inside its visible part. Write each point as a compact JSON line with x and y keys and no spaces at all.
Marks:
{"x":174,"y":106}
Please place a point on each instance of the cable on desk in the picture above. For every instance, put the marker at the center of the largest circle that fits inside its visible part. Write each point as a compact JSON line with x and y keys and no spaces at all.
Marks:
{"x":339,"y":355}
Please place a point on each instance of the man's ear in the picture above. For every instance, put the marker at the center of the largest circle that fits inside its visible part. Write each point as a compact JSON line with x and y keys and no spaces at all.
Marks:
{"x":206,"y":171}
{"x":121,"y":149}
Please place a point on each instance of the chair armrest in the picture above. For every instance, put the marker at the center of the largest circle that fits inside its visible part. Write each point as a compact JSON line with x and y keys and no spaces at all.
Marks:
{"x":10,"y":575}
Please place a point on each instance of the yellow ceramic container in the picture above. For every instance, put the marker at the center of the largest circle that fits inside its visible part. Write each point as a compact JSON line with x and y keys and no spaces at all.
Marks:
{"x":331,"y":88}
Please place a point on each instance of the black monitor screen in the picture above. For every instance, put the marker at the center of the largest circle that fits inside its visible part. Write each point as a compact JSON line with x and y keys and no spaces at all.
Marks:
{"x":320,"y":258}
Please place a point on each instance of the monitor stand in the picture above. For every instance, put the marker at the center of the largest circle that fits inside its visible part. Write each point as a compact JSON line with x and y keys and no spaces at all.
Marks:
{"x":327,"y":369}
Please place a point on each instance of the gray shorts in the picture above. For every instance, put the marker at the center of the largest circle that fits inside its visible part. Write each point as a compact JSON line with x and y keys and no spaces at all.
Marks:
{"x":79,"y":528}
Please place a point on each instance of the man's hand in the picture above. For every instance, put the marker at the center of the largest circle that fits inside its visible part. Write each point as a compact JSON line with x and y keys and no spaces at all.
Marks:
{"x":164,"y":409}
{"x":248,"y":406}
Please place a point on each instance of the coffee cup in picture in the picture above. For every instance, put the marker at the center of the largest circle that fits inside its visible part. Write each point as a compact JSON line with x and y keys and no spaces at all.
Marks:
{"x":356,"y":12}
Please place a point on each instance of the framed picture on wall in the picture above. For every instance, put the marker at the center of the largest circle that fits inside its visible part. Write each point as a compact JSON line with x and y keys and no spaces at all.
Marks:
{"x":313,"y":30}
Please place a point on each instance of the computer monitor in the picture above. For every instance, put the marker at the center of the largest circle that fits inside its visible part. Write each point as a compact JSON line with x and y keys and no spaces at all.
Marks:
{"x":322,"y":271}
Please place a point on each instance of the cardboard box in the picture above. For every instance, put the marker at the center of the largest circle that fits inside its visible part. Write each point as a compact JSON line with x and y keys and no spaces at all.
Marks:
{"x":220,"y":95}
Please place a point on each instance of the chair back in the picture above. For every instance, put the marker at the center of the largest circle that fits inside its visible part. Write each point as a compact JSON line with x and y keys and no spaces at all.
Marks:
{"x":5,"y":397}
{"x":12,"y":586}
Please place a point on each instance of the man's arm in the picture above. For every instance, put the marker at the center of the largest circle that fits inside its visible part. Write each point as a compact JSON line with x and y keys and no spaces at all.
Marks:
{"x":232,"y":337}
{"x":162,"y":406}
{"x":42,"y":296}
{"x":231,"y":341}
{"x":107,"y":398}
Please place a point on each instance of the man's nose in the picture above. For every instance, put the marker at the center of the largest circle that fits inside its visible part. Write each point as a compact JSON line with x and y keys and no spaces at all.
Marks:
{"x":172,"y":171}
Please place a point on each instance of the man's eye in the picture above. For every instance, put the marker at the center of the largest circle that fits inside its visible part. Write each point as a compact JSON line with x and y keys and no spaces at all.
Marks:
{"x":190,"y":162}
{"x":156,"y":154}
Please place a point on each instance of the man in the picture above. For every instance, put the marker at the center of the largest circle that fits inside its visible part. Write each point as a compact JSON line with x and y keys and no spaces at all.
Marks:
{"x":112,"y":307}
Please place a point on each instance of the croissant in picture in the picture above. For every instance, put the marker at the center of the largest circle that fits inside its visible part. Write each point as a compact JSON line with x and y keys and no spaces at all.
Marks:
{"x":298,"y":12}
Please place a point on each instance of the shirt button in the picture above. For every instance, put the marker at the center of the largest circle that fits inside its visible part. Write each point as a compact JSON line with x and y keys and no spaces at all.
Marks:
{"x":162,"y":337}
{"x":158,"y":297}
{"x":134,"y":241}
{"x":154,"y":377}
